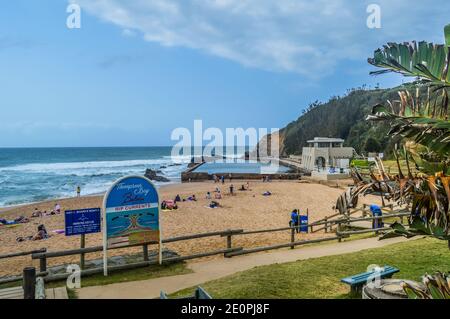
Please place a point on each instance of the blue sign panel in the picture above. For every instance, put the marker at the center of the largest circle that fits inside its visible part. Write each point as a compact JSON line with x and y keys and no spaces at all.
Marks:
{"x":131,"y":212}
{"x":84,"y":221}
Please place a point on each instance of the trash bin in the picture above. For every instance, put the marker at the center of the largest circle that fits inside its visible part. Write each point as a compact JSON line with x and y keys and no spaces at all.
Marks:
{"x":377,"y":212}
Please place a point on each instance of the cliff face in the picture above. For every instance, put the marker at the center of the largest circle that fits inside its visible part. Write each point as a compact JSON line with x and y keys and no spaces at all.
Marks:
{"x":342,"y":117}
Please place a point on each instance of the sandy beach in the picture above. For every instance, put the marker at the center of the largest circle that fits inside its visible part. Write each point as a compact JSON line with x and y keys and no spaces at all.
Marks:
{"x":248,"y":210}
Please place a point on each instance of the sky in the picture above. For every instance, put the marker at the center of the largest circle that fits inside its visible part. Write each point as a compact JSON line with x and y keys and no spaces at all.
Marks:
{"x":138,"y":69}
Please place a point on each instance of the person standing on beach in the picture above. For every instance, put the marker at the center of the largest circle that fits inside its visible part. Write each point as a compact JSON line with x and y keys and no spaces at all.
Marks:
{"x":78,"y":191}
{"x":231,"y":189}
{"x":230,"y":177}
{"x":295,"y":220}
{"x":223,"y":179}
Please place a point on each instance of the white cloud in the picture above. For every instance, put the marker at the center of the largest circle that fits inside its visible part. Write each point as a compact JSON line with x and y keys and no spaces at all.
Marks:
{"x":308,"y":37}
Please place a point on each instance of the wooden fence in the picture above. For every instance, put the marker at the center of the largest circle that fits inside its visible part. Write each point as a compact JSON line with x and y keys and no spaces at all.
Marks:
{"x":326,"y":224}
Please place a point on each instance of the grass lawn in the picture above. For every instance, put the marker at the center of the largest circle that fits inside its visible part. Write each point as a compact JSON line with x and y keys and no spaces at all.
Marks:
{"x":154,"y":271}
{"x":320,"y":277}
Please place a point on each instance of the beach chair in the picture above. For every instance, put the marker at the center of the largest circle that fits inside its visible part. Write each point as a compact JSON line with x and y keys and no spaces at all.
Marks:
{"x":357,"y":282}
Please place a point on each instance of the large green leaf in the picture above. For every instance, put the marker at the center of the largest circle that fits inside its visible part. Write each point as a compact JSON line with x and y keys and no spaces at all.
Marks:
{"x":428,"y":61}
{"x":447,"y":35}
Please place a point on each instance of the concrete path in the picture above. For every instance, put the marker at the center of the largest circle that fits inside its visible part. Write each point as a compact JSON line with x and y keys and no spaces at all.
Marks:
{"x":218,"y":268}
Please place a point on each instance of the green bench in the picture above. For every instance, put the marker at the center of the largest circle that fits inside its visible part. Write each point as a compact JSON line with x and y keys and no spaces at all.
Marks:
{"x":199,"y":293}
{"x":356,"y":282}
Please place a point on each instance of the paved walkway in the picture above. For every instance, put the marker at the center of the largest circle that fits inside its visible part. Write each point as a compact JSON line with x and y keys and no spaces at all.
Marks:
{"x":218,"y":268}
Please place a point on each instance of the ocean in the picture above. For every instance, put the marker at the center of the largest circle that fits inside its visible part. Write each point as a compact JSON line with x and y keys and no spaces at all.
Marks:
{"x":36,"y":174}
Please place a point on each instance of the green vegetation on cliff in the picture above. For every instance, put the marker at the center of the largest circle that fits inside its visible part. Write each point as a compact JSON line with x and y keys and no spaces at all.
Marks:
{"x":342,"y":117}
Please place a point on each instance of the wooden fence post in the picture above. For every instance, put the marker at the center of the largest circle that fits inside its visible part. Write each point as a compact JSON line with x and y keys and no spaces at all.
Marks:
{"x":292,"y":237}
{"x":29,"y":283}
{"x":43,"y":264}
{"x":307,"y":215}
{"x":82,"y":245}
{"x":338,"y":230}
{"x":229,"y":244}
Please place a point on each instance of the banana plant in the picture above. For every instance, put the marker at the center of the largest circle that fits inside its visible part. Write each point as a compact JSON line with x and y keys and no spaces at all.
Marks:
{"x":427,"y":61}
{"x":421,"y":119}
{"x":435,"y":286}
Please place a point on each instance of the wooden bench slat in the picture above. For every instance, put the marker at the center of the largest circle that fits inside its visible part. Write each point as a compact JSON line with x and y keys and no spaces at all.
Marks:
{"x":362,"y":278}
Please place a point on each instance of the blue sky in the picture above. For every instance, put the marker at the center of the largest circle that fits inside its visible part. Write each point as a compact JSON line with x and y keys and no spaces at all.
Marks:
{"x":137,"y":69}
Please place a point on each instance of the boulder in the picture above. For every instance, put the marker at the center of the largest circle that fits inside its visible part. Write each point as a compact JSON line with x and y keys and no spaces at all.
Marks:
{"x":153,"y":175}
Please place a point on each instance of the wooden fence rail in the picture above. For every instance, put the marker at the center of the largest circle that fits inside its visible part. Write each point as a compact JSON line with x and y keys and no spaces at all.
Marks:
{"x":23,"y":253}
{"x":327,"y":223}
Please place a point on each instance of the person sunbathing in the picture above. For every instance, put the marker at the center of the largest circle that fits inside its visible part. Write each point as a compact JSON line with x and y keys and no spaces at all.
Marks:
{"x":41,"y":234}
{"x":214,"y":204}
{"x":22,"y":220}
{"x":192,"y":198}
{"x":36,"y":213}
{"x":267,"y":193}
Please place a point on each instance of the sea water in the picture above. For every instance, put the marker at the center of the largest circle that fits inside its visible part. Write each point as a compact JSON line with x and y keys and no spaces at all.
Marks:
{"x":37,"y":174}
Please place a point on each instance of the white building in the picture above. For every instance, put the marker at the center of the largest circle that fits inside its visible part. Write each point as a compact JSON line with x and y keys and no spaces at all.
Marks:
{"x":324,"y":152}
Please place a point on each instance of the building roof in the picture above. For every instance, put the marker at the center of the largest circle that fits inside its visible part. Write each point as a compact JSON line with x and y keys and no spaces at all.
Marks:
{"x":326,"y":140}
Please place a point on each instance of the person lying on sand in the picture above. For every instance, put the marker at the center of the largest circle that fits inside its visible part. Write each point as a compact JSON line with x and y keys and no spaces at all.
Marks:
{"x":36,"y":213}
{"x":169,"y":205}
{"x":208,"y":195}
{"x":40,"y":235}
{"x":192,"y":198}
{"x":267,"y":193}
{"x":214,"y":204}
{"x":18,"y":220}
{"x":22,"y":220}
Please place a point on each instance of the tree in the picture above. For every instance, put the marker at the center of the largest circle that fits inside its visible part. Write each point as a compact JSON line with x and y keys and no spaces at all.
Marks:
{"x":372,"y":145}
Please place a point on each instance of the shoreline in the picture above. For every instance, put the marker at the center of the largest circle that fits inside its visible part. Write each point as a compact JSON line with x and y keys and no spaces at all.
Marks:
{"x":5,"y":209}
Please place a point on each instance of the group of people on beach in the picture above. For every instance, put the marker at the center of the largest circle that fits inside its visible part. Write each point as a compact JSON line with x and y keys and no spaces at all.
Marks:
{"x":221,"y":179}
{"x":41,"y":233}
{"x":38,"y":213}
